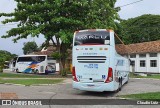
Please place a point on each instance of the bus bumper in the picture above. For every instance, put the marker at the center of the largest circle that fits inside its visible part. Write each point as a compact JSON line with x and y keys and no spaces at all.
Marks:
{"x":97,"y":87}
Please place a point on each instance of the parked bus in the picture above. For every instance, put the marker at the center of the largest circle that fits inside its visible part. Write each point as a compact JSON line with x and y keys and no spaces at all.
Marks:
{"x":96,"y":65}
{"x":35,"y":64}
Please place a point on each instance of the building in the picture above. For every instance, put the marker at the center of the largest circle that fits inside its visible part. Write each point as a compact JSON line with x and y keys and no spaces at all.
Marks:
{"x":145,"y":57}
{"x":50,"y":50}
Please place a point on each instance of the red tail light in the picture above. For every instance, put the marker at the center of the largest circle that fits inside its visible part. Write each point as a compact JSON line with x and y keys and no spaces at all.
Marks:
{"x":110,"y":75}
{"x":74,"y":74}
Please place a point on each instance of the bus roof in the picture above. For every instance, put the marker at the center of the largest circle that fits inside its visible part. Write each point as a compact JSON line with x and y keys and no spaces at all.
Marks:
{"x":110,"y":30}
{"x":30,"y":55}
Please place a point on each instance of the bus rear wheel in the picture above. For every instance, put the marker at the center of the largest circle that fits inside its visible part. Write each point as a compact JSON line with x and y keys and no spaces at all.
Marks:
{"x":120,"y":84}
{"x":127,"y":79}
{"x":36,"y":71}
{"x":17,"y":71}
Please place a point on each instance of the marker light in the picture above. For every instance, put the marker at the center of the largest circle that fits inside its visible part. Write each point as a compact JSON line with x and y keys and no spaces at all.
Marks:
{"x":74,"y":74}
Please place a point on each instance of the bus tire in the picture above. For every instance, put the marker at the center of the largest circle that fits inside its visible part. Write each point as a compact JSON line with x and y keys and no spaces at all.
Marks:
{"x":116,"y":91}
{"x":36,"y":72}
{"x":17,"y":71}
{"x":127,"y":79}
{"x":120,"y":84}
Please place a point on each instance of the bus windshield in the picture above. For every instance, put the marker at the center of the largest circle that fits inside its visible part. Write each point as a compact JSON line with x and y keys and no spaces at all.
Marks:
{"x":92,"y":37}
{"x":31,"y":58}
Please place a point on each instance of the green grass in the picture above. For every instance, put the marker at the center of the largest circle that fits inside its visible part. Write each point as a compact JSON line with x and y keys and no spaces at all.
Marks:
{"x":138,"y":76}
{"x":132,"y":75}
{"x":28,"y":79}
{"x":28,"y":82}
{"x":19,"y":75}
{"x":144,"y":96}
{"x":154,"y":76}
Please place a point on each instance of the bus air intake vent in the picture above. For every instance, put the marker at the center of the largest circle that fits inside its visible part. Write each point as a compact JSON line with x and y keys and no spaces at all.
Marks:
{"x":91,"y":59}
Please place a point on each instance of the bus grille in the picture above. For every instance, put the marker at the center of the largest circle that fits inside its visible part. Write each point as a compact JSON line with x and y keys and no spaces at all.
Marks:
{"x":91,"y":59}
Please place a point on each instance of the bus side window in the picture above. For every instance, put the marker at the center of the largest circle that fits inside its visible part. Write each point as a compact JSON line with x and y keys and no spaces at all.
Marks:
{"x":41,"y":58}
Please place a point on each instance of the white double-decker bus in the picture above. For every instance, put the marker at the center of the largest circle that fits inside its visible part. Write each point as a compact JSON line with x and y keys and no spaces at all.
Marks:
{"x":35,"y":64}
{"x":96,"y":65}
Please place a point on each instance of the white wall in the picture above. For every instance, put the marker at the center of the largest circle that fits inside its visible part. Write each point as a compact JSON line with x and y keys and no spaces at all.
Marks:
{"x":133,"y":68}
{"x":147,"y":68}
{"x":154,"y":69}
{"x":159,"y":61}
{"x":142,"y":69}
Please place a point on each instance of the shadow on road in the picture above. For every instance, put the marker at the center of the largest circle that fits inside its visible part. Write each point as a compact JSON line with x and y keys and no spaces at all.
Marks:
{"x":106,"y":94}
{"x":97,"y":94}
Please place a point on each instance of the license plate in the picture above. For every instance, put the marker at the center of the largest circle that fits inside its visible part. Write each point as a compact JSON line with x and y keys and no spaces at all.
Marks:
{"x":90,"y":85}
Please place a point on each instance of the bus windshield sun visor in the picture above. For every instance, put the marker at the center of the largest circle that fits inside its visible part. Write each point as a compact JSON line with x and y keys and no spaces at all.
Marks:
{"x":92,"y":38}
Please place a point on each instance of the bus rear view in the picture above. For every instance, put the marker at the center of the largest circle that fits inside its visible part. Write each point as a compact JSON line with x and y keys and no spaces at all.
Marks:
{"x":96,"y":65}
{"x":91,"y":55}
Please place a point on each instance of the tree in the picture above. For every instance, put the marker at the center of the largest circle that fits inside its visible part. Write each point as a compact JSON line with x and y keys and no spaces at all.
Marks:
{"x":141,"y":29}
{"x":58,"y":19}
{"x":30,"y":47}
{"x":5,"y":56}
{"x":102,"y":14}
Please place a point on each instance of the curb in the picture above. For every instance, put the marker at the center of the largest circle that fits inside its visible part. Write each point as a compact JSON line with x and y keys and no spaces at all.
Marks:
{"x":146,"y":78}
{"x":30,"y":85}
{"x":33,"y":78}
{"x":13,"y":84}
{"x":43,"y":84}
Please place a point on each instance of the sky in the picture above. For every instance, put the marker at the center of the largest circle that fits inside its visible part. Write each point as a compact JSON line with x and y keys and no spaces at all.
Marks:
{"x":126,"y":12}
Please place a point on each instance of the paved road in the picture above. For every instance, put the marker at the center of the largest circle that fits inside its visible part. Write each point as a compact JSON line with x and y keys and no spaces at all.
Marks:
{"x":65,"y":91}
